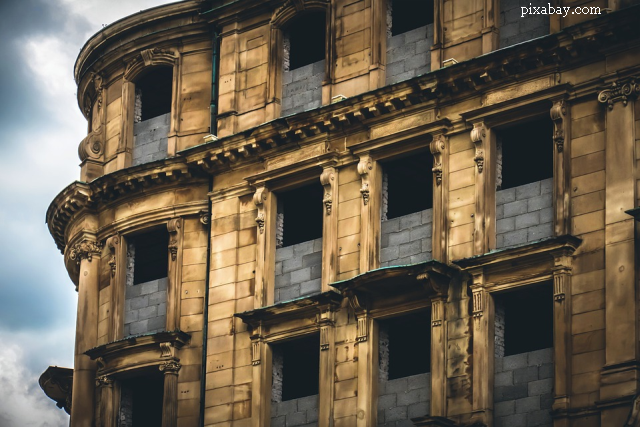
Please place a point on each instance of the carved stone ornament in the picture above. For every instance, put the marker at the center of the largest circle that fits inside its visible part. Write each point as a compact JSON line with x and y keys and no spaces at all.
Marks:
{"x":364,"y":166}
{"x":166,"y":349}
{"x":437,"y":309}
{"x":173,"y":227}
{"x":113,"y":243}
{"x":147,"y":58}
{"x":437,"y":148}
{"x":205,"y":217}
{"x":478,"y":134}
{"x":85,"y":249}
{"x":255,"y":352}
{"x":104,"y":381}
{"x":363,"y":328}
{"x":91,"y":147}
{"x":477,"y":304}
{"x":259,"y":197}
{"x":324,"y":338}
{"x":327,"y":179}
{"x":619,"y":92}
{"x":170,"y":367}
{"x":558,"y":113}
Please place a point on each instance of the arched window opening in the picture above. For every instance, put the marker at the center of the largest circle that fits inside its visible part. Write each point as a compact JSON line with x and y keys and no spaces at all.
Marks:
{"x":151,"y":117}
{"x":409,"y":39}
{"x":303,"y":62}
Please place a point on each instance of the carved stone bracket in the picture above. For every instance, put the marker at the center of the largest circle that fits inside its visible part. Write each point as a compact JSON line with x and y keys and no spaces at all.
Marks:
{"x":324,"y":337}
{"x":478,"y":303}
{"x":561,"y":275}
{"x":91,"y":147}
{"x":327,"y":179}
{"x":166,"y":349}
{"x":113,"y":243}
{"x":437,"y":148}
{"x":170,"y":367}
{"x":363,"y":328}
{"x":104,"y":381}
{"x":173,"y":227}
{"x":256,"y":347}
{"x":558,"y":113}
{"x":437,"y":312}
{"x":478,"y":134}
{"x":619,"y":91}
{"x":205,"y":217}
{"x":259,"y":197}
{"x":85,"y":249}
{"x":364,"y":166}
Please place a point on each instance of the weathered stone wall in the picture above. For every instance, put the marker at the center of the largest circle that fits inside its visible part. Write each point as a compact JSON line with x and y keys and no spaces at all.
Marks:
{"x":461,"y":196}
{"x":406,"y":239}
{"x":349,"y":205}
{"x":295,"y":412}
{"x":523,"y":389}
{"x":524,"y":214}
{"x":298,"y":270}
{"x":150,"y":140}
{"x":302,"y":88}
{"x":401,"y":399}
{"x":408,"y":54}
{"x":516,"y":29}
{"x":145,"y":304}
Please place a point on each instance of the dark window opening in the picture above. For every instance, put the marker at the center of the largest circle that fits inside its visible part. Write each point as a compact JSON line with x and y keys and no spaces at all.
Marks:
{"x":306,"y":38}
{"x":408,"y":185}
{"x":408,"y":15}
{"x":527,"y":318}
{"x":300,"y":360}
{"x":154,"y":90}
{"x":151,"y":256}
{"x":141,"y":401}
{"x":527,"y":153}
{"x":407,"y":355}
{"x":301,"y":210}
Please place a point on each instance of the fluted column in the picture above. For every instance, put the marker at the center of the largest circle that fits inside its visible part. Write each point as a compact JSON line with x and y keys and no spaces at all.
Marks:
{"x":86,"y":253}
{"x":170,"y":396}
{"x":107,"y":416}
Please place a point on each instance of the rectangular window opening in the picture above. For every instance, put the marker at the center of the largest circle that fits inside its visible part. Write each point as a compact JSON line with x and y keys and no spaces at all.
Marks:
{"x":141,"y":401}
{"x":299,"y":217}
{"x":151,"y":256}
{"x":524,"y":320}
{"x":404,"y":366}
{"x":407,"y":15}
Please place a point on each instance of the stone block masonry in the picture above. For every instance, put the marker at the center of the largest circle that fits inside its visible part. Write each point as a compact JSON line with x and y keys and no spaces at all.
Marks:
{"x":408,"y":54}
{"x":302,"y":88}
{"x":295,"y":412}
{"x":145,"y":307}
{"x":401,"y":399}
{"x":406,"y":239}
{"x":516,"y":29}
{"x":523,"y":387}
{"x":298,"y":270}
{"x":150,"y":140}
{"x":524,"y":214}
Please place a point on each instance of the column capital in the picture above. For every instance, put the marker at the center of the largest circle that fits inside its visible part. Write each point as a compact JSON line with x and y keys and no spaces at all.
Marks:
{"x":619,"y":91}
{"x":170,"y":367}
{"x":85,"y":249}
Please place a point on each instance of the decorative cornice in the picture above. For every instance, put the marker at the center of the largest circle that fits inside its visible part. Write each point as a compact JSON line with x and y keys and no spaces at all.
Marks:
{"x":620,"y":91}
{"x":85,"y":249}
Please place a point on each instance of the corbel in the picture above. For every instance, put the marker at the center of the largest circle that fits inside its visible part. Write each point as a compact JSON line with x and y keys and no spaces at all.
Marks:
{"x":478,"y":136}
{"x":175,"y":236}
{"x":174,"y":227}
{"x":117,"y":291}
{"x":364,"y":167}
{"x":113,"y":244}
{"x":477,"y":292}
{"x":256,"y":350}
{"x":437,"y":147}
{"x":558,"y":113}
{"x":259,"y":197}
{"x":327,"y":179}
{"x":360,"y":310}
{"x":560,"y":117}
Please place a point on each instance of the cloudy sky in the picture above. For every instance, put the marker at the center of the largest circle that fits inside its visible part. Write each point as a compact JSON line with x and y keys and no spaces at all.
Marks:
{"x":40,"y":128}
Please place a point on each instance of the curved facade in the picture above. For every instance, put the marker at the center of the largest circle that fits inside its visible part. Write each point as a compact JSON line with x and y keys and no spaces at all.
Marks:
{"x":361,"y":213}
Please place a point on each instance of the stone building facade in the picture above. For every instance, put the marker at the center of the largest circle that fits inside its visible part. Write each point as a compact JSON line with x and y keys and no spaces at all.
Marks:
{"x":356,"y":213}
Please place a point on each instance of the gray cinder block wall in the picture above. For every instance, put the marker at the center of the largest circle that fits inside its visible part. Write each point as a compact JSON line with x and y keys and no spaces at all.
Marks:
{"x":523,"y":389}
{"x":514,"y":28}
{"x":401,"y":399}
{"x":524,"y":214}
{"x":298,"y":270}
{"x":406,"y":239}
{"x":145,"y":304}
{"x":408,"y":54}
{"x":295,"y":412}
{"x":302,"y":88}
{"x":150,"y":140}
